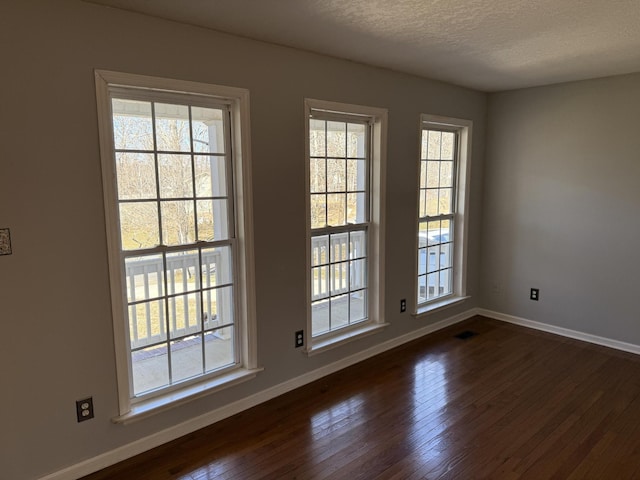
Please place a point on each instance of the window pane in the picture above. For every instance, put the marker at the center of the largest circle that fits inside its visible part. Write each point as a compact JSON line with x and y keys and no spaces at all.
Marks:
{"x":444,"y":203}
{"x":433,"y":174}
{"x":356,"y":140}
{"x":182,"y":271}
{"x":339,"y":247}
{"x":210,"y":176}
{"x":446,"y":174}
{"x":319,"y":282}
{"x":147,"y":323}
{"x":176,"y":176}
{"x":336,"y":175}
{"x":209,"y":315}
{"x":186,"y":358}
{"x":318,"y":211}
{"x":447,"y":234}
{"x":136,"y":174}
{"x":357,"y":274}
{"x":432,"y":202}
{"x":434,"y":145}
{"x":432,"y":285}
{"x":422,"y":261}
{"x":139,"y":225}
{"x":184,"y":314}
{"x":424,"y":150}
{"x":319,"y":317}
{"x":448,"y":142}
{"x":213,"y":220}
{"x":150,"y":369}
{"x":358,"y":306}
{"x":445,"y":282}
{"x":216,"y":266}
{"x":144,"y":277}
{"x":423,"y":203}
{"x":423,"y":174}
{"x":178,"y":224}
{"x":132,"y":127}
{"x":204,"y":218}
{"x":317,"y":139}
{"x":339,"y":278}
{"x":336,"y":139}
{"x":422,"y":289}
{"x":339,"y":311}
{"x":356,"y":175}
{"x":357,"y":244}
{"x":446,"y":252}
{"x":433,"y":232}
{"x":318,"y":177}
{"x":433,"y":259}
{"x":336,"y":209}
{"x":422,"y":234}
{"x":208,"y":130}
{"x":218,"y":348}
{"x":319,"y":250}
{"x":356,"y":208}
{"x":218,"y":306}
{"x":172,"y":128}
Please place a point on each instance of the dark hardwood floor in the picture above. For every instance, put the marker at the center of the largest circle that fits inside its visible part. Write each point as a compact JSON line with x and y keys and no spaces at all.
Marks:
{"x":507,"y":403}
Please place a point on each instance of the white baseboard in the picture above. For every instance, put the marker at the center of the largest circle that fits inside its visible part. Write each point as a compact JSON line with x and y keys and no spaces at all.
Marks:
{"x":147,"y":443}
{"x":565,"y":332}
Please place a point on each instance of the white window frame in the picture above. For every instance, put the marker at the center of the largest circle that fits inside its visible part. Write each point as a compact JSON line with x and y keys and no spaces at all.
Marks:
{"x":378,"y":119}
{"x":237,"y":101}
{"x":463,"y":128}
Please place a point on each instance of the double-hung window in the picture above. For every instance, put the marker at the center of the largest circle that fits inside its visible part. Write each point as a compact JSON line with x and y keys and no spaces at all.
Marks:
{"x":442,"y":207}
{"x":345,"y":161}
{"x":179,"y":236}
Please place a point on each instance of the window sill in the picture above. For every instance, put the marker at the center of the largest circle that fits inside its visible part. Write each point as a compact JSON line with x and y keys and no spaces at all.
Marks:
{"x":323,"y":344}
{"x":425,"y":310}
{"x":172,"y":399}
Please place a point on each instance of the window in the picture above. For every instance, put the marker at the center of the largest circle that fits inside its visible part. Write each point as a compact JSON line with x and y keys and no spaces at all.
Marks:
{"x":179,"y":236}
{"x":442,"y":223}
{"x":345,"y":162}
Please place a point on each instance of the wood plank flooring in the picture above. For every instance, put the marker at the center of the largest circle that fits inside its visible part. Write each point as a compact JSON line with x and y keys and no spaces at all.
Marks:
{"x":508,"y":403}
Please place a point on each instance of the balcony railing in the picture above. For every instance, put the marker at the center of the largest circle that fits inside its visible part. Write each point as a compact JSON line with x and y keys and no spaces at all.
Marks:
{"x":345,"y":246}
{"x":148,"y":319}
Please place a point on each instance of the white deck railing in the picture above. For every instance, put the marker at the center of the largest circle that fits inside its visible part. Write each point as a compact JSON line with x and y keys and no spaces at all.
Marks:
{"x":337,"y":278}
{"x":144,"y":277}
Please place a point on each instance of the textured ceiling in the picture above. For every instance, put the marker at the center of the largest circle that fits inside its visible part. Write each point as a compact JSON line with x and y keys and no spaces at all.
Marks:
{"x":488,"y":45}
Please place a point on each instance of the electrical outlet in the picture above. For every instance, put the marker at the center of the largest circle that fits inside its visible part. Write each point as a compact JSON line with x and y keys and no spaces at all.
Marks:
{"x":403,"y":305}
{"x":5,"y":241}
{"x":299,"y":338}
{"x":535,"y":294}
{"x":84,"y":409}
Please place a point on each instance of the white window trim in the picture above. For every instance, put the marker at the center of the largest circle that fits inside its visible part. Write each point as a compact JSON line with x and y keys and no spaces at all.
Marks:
{"x":461,"y":220}
{"x":377,"y":188}
{"x":238,"y":101}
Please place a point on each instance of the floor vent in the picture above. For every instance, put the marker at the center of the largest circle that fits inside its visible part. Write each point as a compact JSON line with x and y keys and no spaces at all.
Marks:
{"x":465,"y":335}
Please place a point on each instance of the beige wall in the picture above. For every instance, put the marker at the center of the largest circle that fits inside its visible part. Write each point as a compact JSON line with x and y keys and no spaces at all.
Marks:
{"x":54,"y":289}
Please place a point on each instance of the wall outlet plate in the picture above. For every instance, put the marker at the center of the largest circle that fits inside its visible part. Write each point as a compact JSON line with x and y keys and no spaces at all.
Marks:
{"x":300,"y":338}
{"x":5,"y":241}
{"x":535,"y":294}
{"x":84,"y":409}
{"x":403,"y":305}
